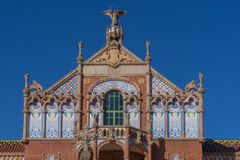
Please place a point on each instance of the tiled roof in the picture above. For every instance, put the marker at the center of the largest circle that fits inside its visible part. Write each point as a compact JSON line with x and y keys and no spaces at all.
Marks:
{"x":221,"y":146}
{"x":11,"y":150}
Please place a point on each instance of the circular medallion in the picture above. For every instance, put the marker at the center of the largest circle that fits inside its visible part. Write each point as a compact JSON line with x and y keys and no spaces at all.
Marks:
{"x":86,"y":81}
{"x":141,"y":81}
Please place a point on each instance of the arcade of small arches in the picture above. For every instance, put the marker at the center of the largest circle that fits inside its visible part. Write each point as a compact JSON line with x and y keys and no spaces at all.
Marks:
{"x":116,"y":151}
{"x":115,"y":103}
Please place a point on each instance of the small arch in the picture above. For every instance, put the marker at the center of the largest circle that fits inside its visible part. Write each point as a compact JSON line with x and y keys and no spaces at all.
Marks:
{"x":108,"y":150}
{"x":51,"y":156}
{"x":175,"y":156}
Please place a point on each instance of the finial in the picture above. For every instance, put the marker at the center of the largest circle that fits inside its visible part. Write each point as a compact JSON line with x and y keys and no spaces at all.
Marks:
{"x":200,"y":85}
{"x":148,"y":58}
{"x":26,"y":78}
{"x":148,"y":47}
{"x":80,"y":46}
{"x":80,"y":58}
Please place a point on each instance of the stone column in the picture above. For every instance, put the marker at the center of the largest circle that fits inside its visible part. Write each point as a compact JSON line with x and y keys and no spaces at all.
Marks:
{"x":95,"y":147}
{"x":79,"y":95}
{"x":166,"y":123}
{"x":148,"y":82}
{"x":61,"y":122}
{"x":126,"y":147}
{"x":26,"y":94}
{"x":183,"y":123}
{"x":201,"y":107}
{"x":201,"y":117}
{"x":44,"y":122}
{"x":149,"y":154}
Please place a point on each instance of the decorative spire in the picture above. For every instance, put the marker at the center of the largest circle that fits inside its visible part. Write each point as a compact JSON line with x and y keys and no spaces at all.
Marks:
{"x":114,"y":34}
{"x":148,"y":58}
{"x":26,"y":87}
{"x":26,"y":78}
{"x":200,"y":85}
{"x":80,"y":58}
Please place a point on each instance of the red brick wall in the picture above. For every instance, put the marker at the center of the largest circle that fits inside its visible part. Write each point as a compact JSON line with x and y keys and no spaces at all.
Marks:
{"x":187,"y":149}
{"x":36,"y":148}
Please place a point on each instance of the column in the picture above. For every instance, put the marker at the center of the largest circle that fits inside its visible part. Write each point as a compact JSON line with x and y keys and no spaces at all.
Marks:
{"x":79,"y":96}
{"x":183,"y":123}
{"x":166,"y":123}
{"x":26,"y":93}
{"x":126,"y":148}
{"x":44,"y":122}
{"x":95,"y":147}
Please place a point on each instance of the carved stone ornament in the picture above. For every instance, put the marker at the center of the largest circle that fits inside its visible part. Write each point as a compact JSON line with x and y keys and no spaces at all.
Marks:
{"x":141,"y":81}
{"x":86,"y":81}
{"x":114,"y":56}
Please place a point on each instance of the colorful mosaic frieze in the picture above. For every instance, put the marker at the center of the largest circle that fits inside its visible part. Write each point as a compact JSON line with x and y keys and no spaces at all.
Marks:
{"x":158,"y":86}
{"x":114,"y":84}
{"x":158,"y":120}
{"x":35,"y":121}
{"x":191,"y":120}
{"x":68,"y":120}
{"x":69,"y":87}
{"x":134,"y":115}
{"x":52,"y":121}
{"x":175,"y":120}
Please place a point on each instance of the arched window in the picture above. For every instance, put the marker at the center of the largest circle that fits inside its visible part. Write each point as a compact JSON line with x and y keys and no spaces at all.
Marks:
{"x":68,"y":119}
{"x":191,"y":119}
{"x":113,"y":108}
{"x":175,"y":157}
{"x":52,"y":119}
{"x":51,"y":157}
{"x":174,"y":119}
{"x":158,"y":118}
{"x":35,"y":119}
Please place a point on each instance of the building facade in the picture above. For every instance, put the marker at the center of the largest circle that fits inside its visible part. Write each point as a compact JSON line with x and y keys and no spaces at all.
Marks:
{"x":115,"y":106}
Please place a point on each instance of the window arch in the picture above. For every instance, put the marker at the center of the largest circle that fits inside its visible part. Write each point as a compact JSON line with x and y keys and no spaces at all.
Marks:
{"x":68,"y":118}
{"x":175,"y":157}
{"x":35,"y":119}
{"x":51,"y":157}
{"x":52,"y":119}
{"x":113,"y":108}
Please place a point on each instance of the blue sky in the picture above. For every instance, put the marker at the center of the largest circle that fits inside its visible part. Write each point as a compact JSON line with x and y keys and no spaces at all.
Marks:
{"x":187,"y":37}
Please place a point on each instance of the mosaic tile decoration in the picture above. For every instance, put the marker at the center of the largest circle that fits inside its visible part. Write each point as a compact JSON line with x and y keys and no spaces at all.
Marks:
{"x":114,"y":84}
{"x":175,"y":121}
{"x":159,"y":86}
{"x":35,"y":121}
{"x":158,"y":119}
{"x":191,"y":120}
{"x":69,"y":87}
{"x":68,"y":120}
{"x":52,"y":121}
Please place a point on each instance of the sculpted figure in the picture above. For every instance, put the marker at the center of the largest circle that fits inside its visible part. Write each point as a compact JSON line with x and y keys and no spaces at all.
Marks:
{"x":36,"y":86}
{"x":114,"y":15}
{"x":191,"y":85}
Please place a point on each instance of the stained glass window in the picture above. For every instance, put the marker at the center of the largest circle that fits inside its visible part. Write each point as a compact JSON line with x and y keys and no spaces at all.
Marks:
{"x":113,"y":107}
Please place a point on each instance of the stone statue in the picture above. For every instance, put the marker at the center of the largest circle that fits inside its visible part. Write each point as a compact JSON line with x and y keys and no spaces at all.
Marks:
{"x":114,"y":15}
{"x":86,"y":137}
{"x":190,"y":86}
{"x":36,"y":86}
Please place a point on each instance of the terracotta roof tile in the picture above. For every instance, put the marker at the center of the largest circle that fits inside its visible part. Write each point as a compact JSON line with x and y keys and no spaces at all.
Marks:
{"x":11,"y":146}
{"x":221,"y":146}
